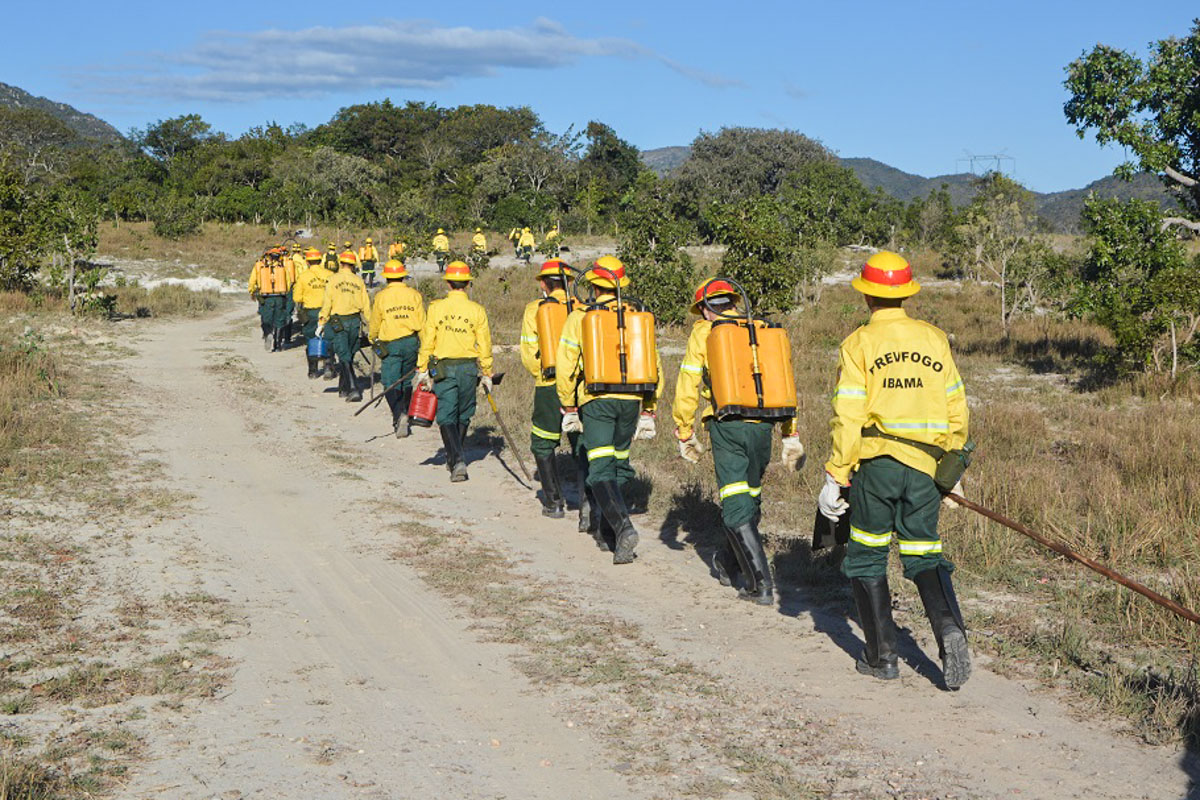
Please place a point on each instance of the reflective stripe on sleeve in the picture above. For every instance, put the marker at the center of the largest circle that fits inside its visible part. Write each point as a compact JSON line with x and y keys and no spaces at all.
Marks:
{"x":530,"y":339}
{"x":570,"y":342}
{"x":915,"y":424}
{"x":850,"y":391}
{"x":870,"y":539}
{"x":954,"y":388}
{"x":621,"y":455}
{"x":692,"y":368}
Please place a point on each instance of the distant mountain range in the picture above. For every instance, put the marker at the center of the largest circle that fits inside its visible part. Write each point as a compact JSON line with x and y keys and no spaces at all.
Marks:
{"x":1060,"y":209}
{"x":86,"y":125}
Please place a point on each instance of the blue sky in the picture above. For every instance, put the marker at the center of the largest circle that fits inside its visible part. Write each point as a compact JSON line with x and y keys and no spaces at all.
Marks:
{"x":916,"y":85}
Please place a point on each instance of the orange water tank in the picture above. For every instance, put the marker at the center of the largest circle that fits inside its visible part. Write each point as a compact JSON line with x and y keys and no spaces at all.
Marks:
{"x":551,"y":316}
{"x":619,"y":353}
{"x":738,"y":388}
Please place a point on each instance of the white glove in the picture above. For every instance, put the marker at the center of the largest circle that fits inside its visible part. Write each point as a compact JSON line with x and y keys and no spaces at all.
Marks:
{"x":958,"y":490}
{"x":792,"y":452}
{"x":423,"y":381}
{"x":320,"y":330}
{"x":571,"y":423}
{"x":691,"y":448}
{"x":645,"y":426}
{"x":830,"y":501}
{"x":486,"y":383}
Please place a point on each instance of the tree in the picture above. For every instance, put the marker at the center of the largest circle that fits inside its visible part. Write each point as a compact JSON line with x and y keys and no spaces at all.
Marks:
{"x":742,"y":163}
{"x":652,"y":238}
{"x":765,"y":252}
{"x":827,"y":202}
{"x":1151,"y":107}
{"x":169,"y":139}
{"x":1136,"y":283}
{"x":998,"y":224}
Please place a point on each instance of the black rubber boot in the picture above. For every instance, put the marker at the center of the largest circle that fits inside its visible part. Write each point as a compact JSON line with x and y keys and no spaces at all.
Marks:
{"x":589,"y":515}
{"x":355,"y":394}
{"x":604,"y":536}
{"x":267,"y":338}
{"x":612,"y":505}
{"x":343,"y":381}
{"x":874,"y":602}
{"x":757,"y":570}
{"x":331,"y":370}
{"x":401,"y":427}
{"x":725,"y":564}
{"x":553,"y":505}
{"x":314,"y":370}
{"x":450,"y":443}
{"x":941,"y":606}
{"x":287,"y":334}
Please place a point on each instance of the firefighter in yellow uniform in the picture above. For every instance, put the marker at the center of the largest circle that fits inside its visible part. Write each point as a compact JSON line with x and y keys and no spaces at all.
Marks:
{"x":397,"y":319}
{"x":479,"y":241}
{"x":546,"y":427}
{"x":741,"y":448}
{"x":553,"y":241}
{"x":348,"y":247}
{"x":898,"y":405}
{"x":368,"y":256}
{"x":609,"y":421}
{"x":441,"y":249}
{"x":270,"y":284}
{"x":514,"y":236}
{"x":455,"y":357}
{"x":299,"y":264}
{"x":309,"y":295}
{"x":344,"y":310}
{"x":525,"y":245}
{"x":396,"y":251}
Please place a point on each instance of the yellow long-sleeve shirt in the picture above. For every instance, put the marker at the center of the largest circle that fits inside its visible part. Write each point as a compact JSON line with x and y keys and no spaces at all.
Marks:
{"x":398,"y":310}
{"x":526,"y":239}
{"x":368,"y":253}
{"x":299,"y":265}
{"x":396,"y":250}
{"x":568,"y":369}
{"x":897,"y":374}
{"x":441,"y":243}
{"x":345,"y":294}
{"x":531,"y":346}
{"x":479,"y":242}
{"x":309,"y":290}
{"x":456,"y":327}
{"x":269,"y":277}
{"x":692,"y":385}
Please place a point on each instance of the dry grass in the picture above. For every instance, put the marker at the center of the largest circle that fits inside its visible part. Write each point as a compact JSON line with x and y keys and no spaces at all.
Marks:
{"x":166,"y":300}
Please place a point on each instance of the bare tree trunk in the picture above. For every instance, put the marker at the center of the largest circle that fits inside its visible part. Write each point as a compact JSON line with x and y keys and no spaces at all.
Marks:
{"x":1174,"y":353}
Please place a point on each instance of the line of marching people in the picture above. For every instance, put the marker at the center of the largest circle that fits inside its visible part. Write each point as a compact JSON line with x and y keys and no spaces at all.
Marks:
{"x":898,"y":431}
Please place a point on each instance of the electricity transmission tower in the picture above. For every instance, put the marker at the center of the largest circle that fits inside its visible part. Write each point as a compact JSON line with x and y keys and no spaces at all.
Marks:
{"x":980,"y":164}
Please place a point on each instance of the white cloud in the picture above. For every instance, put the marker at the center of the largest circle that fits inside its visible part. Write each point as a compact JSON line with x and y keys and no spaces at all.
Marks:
{"x":228,"y":66}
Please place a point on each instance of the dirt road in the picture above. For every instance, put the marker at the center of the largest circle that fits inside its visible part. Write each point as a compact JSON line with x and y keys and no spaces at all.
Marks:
{"x":401,"y":636}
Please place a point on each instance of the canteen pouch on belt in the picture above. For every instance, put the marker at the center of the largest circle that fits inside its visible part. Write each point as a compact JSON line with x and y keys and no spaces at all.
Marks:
{"x":951,"y":464}
{"x":751,"y":381}
{"x":551,"y":316}
{"x":619,"y":360}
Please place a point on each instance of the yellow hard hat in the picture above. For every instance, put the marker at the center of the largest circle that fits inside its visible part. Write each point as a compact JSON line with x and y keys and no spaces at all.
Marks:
{"x":713,"y":288}
{"x":886,"y":274}
{"x":440,"y":230}
{"x":524,"y":230}
{"x":369,"y":240}
{"x":348,"y":258}
{"x":394,"y":269}
{"x":312,"y":254}
{"x":554,"y":268}
{"x":608,"y":272}
{"x":457,"y":271}
{"x":479,"y":230}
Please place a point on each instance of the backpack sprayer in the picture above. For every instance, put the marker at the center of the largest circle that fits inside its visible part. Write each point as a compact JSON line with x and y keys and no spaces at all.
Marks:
{"x":629,"y":369}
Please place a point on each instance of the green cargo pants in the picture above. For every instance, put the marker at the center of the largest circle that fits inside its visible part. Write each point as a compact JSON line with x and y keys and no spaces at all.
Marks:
{"x":400,"y":361}
{"x":454,"y":386}
{"x":546,"y":428}
{"x":608,"y":428}
{"x":342,"y":333}
{"x":890,"y":500}
{"x":308,"y":318}
{"x":274,"y":310}
{"x":741,"y":452}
